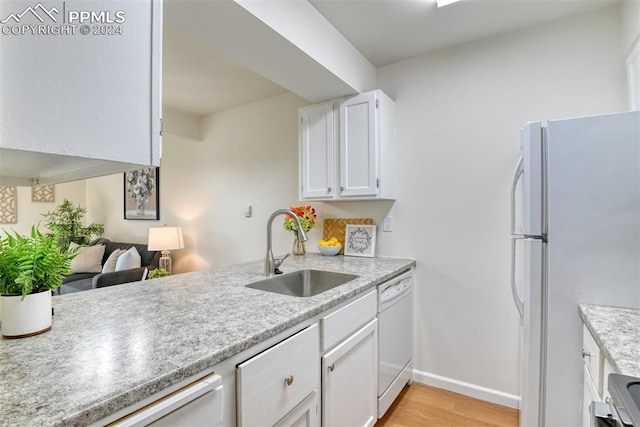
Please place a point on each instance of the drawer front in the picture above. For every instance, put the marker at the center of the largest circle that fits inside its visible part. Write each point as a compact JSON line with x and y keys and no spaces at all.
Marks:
{"x":275,"y":381}
{"x":345,"y":321}
{"x":592,"y":359}
{"x":199,"y":403}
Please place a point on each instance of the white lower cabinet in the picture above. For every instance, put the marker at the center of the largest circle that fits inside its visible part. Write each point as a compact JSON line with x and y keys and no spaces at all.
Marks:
{"x":596,"y":375}
{"x":349,"y":380}
{"x":275,"y":382}
{"x":283,"y":385}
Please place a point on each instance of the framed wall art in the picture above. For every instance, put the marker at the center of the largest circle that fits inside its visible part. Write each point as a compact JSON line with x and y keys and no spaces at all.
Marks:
{"x":8,"y":205}
{"x":141,"y":194}
{"x":43,"y":194}
{"x":360,"y":240}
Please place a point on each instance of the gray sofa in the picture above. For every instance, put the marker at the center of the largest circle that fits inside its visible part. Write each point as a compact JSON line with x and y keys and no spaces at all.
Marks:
{"x":85,"y":281}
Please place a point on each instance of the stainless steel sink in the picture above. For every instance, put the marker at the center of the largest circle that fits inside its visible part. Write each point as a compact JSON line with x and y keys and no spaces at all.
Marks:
{"x":303,"y":283}
{"x":625,"y":393}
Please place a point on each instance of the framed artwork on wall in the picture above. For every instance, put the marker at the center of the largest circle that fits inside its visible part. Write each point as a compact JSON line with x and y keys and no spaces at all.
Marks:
{"x":360,"y":240}
{"x":8,"y":205}
{"x":43,"y":194}
{"x":142,"y":194}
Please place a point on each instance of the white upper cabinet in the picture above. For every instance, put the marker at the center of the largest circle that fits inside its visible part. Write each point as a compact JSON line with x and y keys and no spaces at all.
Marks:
{"x":317,"y":147}
{"x":82,"y":96}
{"x":359,"y":158}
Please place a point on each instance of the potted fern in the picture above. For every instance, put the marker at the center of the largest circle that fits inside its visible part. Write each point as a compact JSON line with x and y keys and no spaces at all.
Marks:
{"x":30,"y":267}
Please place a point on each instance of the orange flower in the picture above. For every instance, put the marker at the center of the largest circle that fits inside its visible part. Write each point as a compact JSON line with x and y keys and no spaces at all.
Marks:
{"x":306,"y":215}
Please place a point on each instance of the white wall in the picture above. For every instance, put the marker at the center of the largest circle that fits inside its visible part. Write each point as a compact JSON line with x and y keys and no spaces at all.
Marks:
{"x":30,"y":213}
{"x":459,"y":113}
{"x":630,"y":13}
{"x":248,"y":156}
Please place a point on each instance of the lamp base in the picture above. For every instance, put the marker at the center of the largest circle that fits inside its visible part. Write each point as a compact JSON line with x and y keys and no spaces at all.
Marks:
{"x":165,"y":262}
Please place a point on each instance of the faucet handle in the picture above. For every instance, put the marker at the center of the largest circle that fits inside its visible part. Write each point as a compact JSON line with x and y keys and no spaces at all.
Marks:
{"x":277,"y":262}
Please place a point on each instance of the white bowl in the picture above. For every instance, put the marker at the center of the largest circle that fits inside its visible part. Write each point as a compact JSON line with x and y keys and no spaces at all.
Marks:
{"x":329,"y":250}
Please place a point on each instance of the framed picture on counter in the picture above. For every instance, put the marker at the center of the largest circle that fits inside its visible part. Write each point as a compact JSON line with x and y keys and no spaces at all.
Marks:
{"x":360,"y":240}
{"x":141,"y":194}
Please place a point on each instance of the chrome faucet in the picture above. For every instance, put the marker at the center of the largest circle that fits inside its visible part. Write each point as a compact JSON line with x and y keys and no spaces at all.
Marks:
{"x":271,"y":263}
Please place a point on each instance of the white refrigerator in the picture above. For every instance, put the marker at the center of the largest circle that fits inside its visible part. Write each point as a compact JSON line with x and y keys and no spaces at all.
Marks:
{"x":575,"y":239}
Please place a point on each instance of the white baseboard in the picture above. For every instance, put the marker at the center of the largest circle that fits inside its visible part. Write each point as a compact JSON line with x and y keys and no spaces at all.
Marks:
{"x":467,"y":389}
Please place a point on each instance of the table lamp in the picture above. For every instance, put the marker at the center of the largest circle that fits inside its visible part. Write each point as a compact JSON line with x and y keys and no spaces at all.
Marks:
{"x":165,"y":239}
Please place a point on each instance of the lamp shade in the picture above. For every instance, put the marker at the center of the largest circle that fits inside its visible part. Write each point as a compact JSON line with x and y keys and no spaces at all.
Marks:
{"x":165,"y":238}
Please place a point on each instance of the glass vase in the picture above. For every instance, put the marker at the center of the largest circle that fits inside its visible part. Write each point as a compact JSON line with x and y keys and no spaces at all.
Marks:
{"x":298,"y":246}
{"x":140,"y":205}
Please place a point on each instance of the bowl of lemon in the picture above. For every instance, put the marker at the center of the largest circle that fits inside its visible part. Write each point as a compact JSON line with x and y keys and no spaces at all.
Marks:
{"x":329,"y":247}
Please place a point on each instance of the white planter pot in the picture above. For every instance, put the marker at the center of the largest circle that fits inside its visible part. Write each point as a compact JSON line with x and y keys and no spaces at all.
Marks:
{"x":25,"y":317}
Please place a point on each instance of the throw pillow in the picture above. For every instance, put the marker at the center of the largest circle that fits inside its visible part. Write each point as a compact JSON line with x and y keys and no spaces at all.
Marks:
{"x":88,"y":259}
{"x":110,"y":264}
{"x":128,"y":260}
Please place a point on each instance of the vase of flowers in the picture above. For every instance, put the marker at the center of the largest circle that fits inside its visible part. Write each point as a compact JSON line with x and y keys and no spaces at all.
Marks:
{"x":307,"y":217}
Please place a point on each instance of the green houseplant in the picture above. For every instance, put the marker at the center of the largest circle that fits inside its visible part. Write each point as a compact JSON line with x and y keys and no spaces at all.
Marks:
{"x":30,"y":267}
{"x":68,"y":220}
{"x":158,"y":272}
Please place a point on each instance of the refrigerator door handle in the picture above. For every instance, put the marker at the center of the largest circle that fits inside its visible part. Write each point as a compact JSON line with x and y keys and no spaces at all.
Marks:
{"x":516,"y":178}
{"x":514,"y":289}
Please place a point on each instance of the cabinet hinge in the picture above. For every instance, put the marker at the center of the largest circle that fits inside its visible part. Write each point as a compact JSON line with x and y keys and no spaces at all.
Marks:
{"x":161,"y":127}
{"x":377,"y":104}
{"x":377,"y":182}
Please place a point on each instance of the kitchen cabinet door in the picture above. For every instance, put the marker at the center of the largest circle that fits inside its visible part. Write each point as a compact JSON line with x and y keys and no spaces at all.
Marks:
{"x":349,"y":386}
{"x":317,"y":140}
{"x":358,"y":146}
{"x":84,"y":99}
{"x":367,"y":147}
{"x":271,"y":384}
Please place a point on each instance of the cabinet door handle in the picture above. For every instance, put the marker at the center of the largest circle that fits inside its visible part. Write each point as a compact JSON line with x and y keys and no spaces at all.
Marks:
{"x":289,"y":380}
{"x":329,"y":190}
{"x":331,"y":367}
{"x":341,"y":188}
{"x":585,"y":353}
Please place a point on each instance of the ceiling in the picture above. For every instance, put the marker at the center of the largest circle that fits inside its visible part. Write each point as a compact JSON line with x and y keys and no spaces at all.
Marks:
{"x":197,"y":80}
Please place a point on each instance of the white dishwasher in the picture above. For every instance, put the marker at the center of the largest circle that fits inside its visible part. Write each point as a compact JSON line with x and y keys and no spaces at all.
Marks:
{"x":395,"y":338}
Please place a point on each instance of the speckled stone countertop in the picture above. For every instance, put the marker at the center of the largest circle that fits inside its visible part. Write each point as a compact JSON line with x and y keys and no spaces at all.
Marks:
{"x":617,"y":333}
{"x":112,"y":347}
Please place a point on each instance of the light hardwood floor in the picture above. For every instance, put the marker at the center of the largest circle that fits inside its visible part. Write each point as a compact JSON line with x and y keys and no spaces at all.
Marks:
{"x":421,"y":405}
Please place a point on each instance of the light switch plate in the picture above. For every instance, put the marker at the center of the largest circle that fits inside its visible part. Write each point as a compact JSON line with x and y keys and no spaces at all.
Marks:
{"x":388,"y":224}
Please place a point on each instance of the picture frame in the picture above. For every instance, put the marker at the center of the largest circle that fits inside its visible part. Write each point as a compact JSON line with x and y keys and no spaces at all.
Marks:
{"x":142,"y":194}
{"x":360,"y":240}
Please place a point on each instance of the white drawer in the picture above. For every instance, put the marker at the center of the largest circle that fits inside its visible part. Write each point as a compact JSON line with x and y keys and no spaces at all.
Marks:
{"x":275,"y":381}
{"x":198,"y":403}
{"x":343,"y":322}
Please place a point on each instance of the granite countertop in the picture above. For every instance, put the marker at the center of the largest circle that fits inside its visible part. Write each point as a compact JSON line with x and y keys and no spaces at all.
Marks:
{"x":112,"y":347}
{"x":617,"y":333}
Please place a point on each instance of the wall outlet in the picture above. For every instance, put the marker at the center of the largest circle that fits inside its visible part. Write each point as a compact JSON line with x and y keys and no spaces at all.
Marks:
{"x":388,"y":224}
